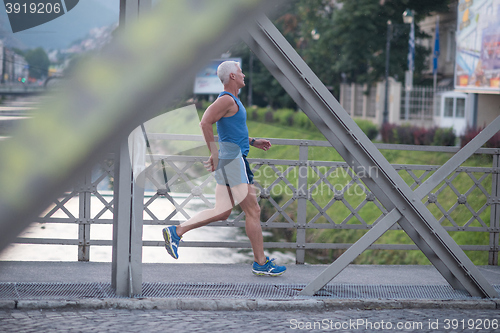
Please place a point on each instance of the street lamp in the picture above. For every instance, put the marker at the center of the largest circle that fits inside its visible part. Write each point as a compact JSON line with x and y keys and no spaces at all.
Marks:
{"x":407,"y":19}
{"x":387,"y":51}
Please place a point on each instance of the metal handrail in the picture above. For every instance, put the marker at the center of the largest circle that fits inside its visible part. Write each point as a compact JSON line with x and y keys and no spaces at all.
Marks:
{"x":87,"y":187}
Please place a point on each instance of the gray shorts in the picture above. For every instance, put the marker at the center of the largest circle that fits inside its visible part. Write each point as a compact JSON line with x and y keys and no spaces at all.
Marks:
{"x":232,"y":172}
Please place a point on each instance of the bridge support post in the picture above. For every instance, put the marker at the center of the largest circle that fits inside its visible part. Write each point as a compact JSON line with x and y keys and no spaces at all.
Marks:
{"x":84,"y":217}
{"x":302,"y":194}
{"x":126,"y":273}
{"x":495,"y":212}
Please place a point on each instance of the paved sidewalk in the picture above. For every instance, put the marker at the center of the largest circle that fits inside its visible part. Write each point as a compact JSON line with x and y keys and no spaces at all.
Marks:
{"x":229,"y":314}
{"x":345,"y":320}
{"x":24,"y":271}
{"x":211,"y":276}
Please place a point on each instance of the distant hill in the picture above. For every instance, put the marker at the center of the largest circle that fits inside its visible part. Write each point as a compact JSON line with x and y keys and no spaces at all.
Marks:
{"x":61,"y":32}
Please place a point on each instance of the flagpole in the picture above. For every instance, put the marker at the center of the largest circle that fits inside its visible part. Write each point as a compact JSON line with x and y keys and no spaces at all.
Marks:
{"x":435,"y":55}
{"x":408,"y":18}
{"x":435,"y":82}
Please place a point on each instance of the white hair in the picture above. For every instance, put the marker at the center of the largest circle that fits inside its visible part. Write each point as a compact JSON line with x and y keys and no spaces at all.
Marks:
{"x":225,"y":69}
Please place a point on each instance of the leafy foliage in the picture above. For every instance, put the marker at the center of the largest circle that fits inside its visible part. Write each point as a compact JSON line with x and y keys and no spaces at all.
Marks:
{"x":413,"y":135}
{"x":444,"y":137}
{"x":369,"y":128}
{"x":342,"y":41}
{"x":38,"y":61}
{"x":471,"y":132}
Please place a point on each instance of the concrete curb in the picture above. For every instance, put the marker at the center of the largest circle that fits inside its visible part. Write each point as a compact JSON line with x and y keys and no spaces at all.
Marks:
{"x":197,"y":304}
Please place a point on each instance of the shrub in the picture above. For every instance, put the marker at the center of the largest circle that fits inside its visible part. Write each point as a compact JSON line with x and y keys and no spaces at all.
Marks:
{"x":284,"y":117}
{"x":269,"y":117}
{"x":409,"y":135}
{"x":369,"y":128}
{"x":404,"y":135}
{"x":300,"y":119}
{"x":387,"y":131}
{"x":470,"y":133}
{"x":494,"y":142}
{"x":424,"y":136}
{"x":259,"y":114}
{"x":444,"y":137}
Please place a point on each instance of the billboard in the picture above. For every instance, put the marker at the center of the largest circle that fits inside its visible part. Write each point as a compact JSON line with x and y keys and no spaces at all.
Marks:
{"x":207,"y":82}
{"x":477,"y":65}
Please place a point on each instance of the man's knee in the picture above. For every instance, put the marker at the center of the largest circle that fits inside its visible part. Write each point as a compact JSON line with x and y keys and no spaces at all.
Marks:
{"x":225,"y":215}
{"x":253,"y":211}
{"x":222,"y":212}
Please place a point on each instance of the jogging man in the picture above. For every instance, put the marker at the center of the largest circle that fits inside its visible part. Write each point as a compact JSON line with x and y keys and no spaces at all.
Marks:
{"x":232,"y":171}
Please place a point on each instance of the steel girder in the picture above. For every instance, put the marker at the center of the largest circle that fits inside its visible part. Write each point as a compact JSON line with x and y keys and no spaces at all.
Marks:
{"x":363,"y":157}
{"x":390,"y":219}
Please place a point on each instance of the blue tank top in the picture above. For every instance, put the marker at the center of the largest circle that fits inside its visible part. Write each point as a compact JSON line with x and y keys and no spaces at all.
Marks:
{"x":233,"y":132}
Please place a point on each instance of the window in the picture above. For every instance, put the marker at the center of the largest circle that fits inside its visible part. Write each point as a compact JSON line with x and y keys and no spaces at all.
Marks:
{"x":448,"y":107}
{"x":453,"y":106}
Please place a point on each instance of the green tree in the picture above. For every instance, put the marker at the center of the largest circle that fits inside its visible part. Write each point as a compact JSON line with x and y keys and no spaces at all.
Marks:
{"x":38,"y":61}
{"x":343,"y":40}
{"x":346,"y":39}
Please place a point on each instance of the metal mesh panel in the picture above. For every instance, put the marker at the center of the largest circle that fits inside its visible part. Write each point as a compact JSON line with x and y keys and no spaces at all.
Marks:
{"x":55,"y":290}
{"x":335,"y":196}
{"x":393,"y":292}
{"x":8,"y":291}
{"x":69,"y":291}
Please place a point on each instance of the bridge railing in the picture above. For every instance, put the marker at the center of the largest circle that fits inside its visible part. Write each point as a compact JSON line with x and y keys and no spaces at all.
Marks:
{"x":303,"y":193}
{"x":21,"y":89}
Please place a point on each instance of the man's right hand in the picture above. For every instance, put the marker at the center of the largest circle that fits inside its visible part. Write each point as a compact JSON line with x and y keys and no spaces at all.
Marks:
{"x":211,"y":163}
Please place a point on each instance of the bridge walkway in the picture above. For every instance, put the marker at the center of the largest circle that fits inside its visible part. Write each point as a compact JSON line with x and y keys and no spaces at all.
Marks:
{"x":212,"y":286}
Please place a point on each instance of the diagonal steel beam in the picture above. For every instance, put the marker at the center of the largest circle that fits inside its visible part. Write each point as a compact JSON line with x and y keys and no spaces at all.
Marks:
{"x":363,"y":157}
{"x":352,"y":253}
{"x":390,"y":219}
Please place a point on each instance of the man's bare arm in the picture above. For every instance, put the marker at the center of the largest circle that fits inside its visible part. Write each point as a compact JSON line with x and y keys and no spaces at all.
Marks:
{"x":218,"y":109}
{"x":263,"y":144}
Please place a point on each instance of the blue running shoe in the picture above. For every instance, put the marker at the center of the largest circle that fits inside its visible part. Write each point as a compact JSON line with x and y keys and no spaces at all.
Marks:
{"x":171,"y":241}
{"x":269,"y":268}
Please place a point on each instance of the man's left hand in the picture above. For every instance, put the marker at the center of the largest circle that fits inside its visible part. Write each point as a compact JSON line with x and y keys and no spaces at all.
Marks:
{"x":262,"y":144}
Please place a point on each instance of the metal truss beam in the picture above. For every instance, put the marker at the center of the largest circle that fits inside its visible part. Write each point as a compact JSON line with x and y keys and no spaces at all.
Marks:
{"x":364,"y":158}
{"x":390,"y":219}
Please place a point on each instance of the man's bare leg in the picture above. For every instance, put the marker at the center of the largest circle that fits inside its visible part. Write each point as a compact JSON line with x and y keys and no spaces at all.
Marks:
{"x":250,"y":206}
{"x":225,"y":200}
{"x":223,"y":206}
{"x":253,"y":228}
{"x":221,"y":211}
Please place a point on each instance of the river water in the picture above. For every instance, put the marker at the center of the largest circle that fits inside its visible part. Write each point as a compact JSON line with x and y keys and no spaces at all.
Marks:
{"x":161,"y":208}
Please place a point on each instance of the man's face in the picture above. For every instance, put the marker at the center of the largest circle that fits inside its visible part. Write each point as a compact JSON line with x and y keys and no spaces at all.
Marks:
{"x":240,"y":78}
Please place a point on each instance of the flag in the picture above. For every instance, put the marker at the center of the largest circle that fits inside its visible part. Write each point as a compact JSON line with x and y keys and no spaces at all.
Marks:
{"x":436,"y":49}
{"x":411,"y":49}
